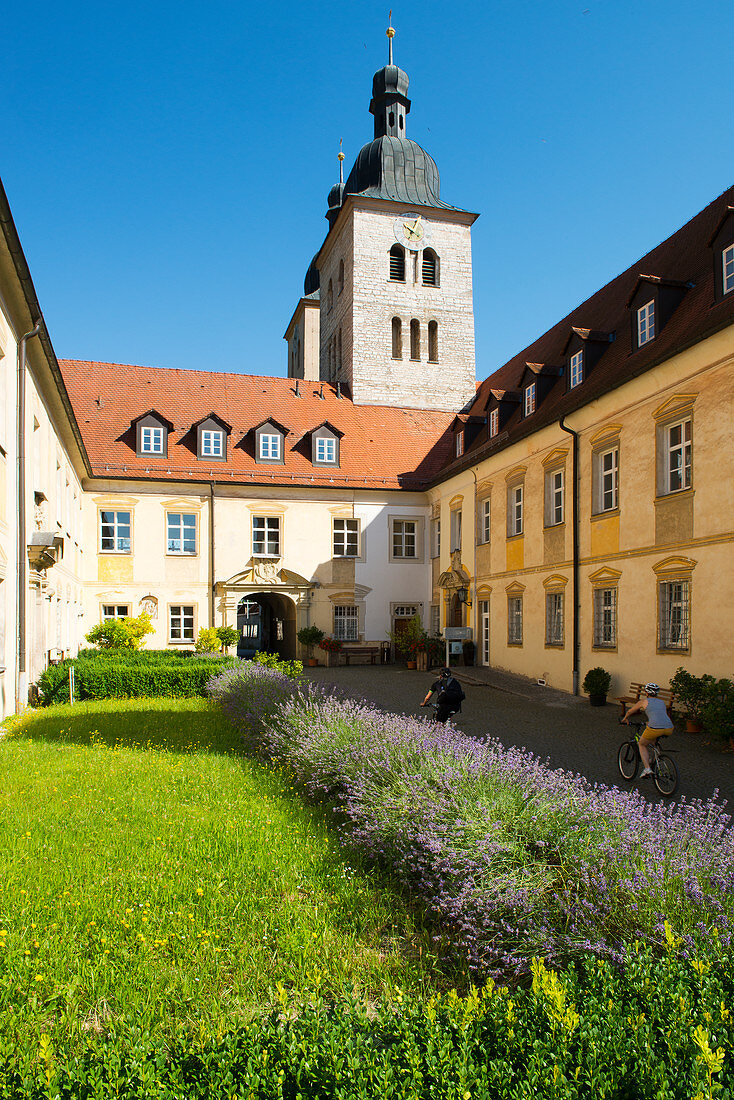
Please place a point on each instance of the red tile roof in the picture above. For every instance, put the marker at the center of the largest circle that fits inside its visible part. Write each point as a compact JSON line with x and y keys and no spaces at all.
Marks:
{"x":381,"y":447}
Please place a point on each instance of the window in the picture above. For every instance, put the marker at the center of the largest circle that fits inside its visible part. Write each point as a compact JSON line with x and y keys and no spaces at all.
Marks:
{"x":459,"y":444}
{"x":330,"y":296}
{"x":429,"y":268}
{"x":404,"y":538}
{"x":455,"y":529}
{"x":180,"y":623}
{"x":340,"y":280}
{"x":605,"y":618}
{"x":436,"y":538}
{"x":266,"y":536}
{"x":435,"y":620}
{"x":397,"y":338}
{"x":484,"y":520}
{"x":514,"y":510}
{"x":433,"y":341}
{"x":211,"y":444}
{"x":554,"y":497}
{"x":727,"y":260}
{"x":180,"y":533}
{"x":115,"y":611}
{"x":674,"y":607}
{"x":576,"y":370}
{"x":494,"y":422}
{"x":325,"y":449}
{"x":114,"y":532}
{"x":346,"y":538}
{"x":554,"y":618}
{"x":151,"y":441}
{"x":346,"y":623}
{"x":645,"y":323}
{"x":415,"y":339}
{"x":605,"y":480}
{"x":529,"y":400}
{"x":397,"y":264}
{"x":514,"y":620}
{"x":484,"y":631}
{"x":270,"y":447}
{"x":678,"y":456}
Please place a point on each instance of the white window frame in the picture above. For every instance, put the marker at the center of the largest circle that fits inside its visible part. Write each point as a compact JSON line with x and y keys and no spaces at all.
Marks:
{"x":122,"y":544}
{"x":346,"y":622}
{"x":266,"y":534}
{"x":484,"y":632}
{"x":679,"y":455}
{"x":606,"y":461}
{"x":436,"y":537}
{"x":181,"y":623}
{"x":151,"y":440}
{"x":459,"y":444}
{"x":727,"y":269}
{"x":211,"y":443}
{"x":485,"y":520}
{"x":326,"y":449}
{"x":115,"y":611}
{"x":555,"y":497}
{"x":605,"y":618}
{"x":403,"y":540}
{"x":674,"y":615}
{"x":646,"y":323}
{"x":529,"y":399}
{"x":456,"y":529}
{"x":494,"y":423}
{"x":514,"y":620}
{"x":345,"y":538}
{"x":554,"y":619}
{"x":270,"y":447}
{"x":178,"y":532}
{"x":515,"y":508}
{"x":576,"y":369}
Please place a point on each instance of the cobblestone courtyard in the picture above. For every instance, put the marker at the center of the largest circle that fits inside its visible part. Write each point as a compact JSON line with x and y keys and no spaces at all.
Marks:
{"x":552,"y":724}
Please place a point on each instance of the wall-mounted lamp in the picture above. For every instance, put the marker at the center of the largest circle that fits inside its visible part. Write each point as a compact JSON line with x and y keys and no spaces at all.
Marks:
{"x":463,"y":594}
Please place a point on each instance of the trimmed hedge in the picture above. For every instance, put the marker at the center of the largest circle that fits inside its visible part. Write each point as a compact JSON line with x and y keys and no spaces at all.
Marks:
{"x":650,"y":1029}
{"x":131,"y":675}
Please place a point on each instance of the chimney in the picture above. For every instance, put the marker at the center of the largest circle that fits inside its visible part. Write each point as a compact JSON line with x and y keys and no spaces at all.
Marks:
{"x":339,"y":390}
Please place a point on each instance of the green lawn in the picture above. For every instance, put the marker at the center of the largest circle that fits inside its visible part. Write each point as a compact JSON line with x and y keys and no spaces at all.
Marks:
{"x":153,"y":878}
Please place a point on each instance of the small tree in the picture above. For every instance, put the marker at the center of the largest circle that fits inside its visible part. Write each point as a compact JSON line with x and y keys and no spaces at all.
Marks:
{"x":228,"y":636}
{"x":127,"y":633}
{"x":309,"y":636}
{"x":207,"y":640}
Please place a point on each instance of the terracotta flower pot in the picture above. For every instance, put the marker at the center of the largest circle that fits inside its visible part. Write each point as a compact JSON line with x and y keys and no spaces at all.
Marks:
{"x":692,"y":726}
{"x":412,"y":664}
{"x":598,"y":700}
{"x":312,"y":662}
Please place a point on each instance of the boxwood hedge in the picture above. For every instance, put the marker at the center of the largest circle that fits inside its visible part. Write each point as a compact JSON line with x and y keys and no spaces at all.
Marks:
{"x":127,"y":674}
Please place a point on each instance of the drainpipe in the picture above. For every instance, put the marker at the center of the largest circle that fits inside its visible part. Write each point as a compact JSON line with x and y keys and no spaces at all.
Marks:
{"x":211,"y":554}
{"x":21,"y":676}
{"x":475,"y":605}
{"x":575,"y":506}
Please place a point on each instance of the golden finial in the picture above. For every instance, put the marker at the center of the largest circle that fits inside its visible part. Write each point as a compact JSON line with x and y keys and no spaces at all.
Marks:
{"x":390,"y":32}
{"x":340,"y":158}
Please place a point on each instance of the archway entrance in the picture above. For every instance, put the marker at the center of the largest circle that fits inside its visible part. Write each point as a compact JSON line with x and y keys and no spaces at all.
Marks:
{"x":266,"y":622}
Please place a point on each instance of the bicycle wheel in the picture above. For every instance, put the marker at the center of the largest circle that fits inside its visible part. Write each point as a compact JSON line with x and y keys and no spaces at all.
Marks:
{"x":628,"y":759}
{"x":665,"y":775}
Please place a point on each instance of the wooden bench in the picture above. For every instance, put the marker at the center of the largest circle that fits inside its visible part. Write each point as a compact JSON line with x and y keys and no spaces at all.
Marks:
{"x":636,"y":690}
{"x":363,"y":652}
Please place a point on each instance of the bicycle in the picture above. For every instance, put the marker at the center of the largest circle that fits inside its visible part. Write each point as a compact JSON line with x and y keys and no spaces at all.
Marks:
{"x":664,"y":770}
{"x":434,"y":707}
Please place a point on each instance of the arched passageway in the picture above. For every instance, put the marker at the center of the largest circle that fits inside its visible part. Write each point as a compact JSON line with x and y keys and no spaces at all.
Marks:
{"x":266,"y":622}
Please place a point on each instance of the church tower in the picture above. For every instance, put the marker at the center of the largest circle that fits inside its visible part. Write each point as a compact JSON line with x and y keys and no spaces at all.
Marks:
{"x":394,"y":273}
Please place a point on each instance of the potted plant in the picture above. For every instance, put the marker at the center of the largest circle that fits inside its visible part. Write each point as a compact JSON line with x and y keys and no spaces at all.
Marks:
{"x":692,"y":692}
{"x":718,"y":710}
{"x":409,"y":641}
{"x":467,"y":651}
{"x":331,"y":647}
{"x":596,"y":685}
{"x":309,"y":636}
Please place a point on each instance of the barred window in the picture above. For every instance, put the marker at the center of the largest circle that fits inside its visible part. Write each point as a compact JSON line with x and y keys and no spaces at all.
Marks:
{"x":346,"y":538}
{"x":266,"y":536}
{"x":514,"y":620}
{"x":114,"y":532}
{"x":674,"y":626}
{"x":554,"y":618}
{"x":346,"y":623}
{"x":605,"y":618}
{"x":181,"y":623}
{"x":397,"y":264}
{"x":181,"y":533}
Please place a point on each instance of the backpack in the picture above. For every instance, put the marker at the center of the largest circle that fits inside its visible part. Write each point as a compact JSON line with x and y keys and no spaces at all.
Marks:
{"x":452,"y":693}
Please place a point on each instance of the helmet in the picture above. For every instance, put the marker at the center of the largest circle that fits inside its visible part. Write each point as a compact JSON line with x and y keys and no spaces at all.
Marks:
{"x":445,"y":671}
{"x":652,"y":689}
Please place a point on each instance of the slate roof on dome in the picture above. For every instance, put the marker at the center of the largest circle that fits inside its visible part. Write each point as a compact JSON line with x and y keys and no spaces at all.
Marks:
{"x":312,"y":282}
{"x":396,"y":168}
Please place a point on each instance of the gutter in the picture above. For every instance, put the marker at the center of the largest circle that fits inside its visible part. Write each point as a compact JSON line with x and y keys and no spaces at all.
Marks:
{"x":212,"y":573}
{"x":21,"y":681}
{"x":575,"y":498}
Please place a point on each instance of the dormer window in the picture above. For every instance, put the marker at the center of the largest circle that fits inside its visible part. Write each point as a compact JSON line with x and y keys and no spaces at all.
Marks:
{"x":325,"y":450}
{"x":529,"y":399}
{"x":152,"y":441}
{"x":212,"y":444}
{"x":576,"y":369}
{"x":397,"y":264}
{"x":325,"y":445}
{"x":459,"y":444}
{"x":646,"y":323}
{"x":494,"y":422}
{"x":727,"y":264}
{"x":270,"y":441}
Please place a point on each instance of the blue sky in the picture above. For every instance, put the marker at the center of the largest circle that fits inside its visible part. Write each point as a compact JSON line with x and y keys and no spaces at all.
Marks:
{"x":168,"y":164}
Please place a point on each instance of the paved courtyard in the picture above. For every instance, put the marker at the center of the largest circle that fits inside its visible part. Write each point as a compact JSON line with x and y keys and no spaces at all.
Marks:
{"x":552,"y":724}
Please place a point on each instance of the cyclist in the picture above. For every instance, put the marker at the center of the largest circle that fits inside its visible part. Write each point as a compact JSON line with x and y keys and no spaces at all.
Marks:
{"x":449,"y":695}
{"x":658,"y":723}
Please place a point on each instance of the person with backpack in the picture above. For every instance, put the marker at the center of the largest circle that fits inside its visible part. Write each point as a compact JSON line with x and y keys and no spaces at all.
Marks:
{"x":449,"y":695}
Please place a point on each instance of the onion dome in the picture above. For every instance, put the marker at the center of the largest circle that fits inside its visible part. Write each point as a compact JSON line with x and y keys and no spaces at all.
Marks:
{"x":312,"y":281}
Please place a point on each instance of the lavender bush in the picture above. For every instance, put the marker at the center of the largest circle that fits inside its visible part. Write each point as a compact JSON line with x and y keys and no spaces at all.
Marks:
{"x":511,"y":858}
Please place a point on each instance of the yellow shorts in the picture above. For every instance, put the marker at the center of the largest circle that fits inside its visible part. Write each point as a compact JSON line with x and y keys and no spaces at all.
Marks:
{"x":651,"y":734}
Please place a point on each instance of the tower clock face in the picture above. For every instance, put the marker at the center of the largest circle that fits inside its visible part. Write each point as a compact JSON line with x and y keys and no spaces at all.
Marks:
{"x":411,"y":231}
